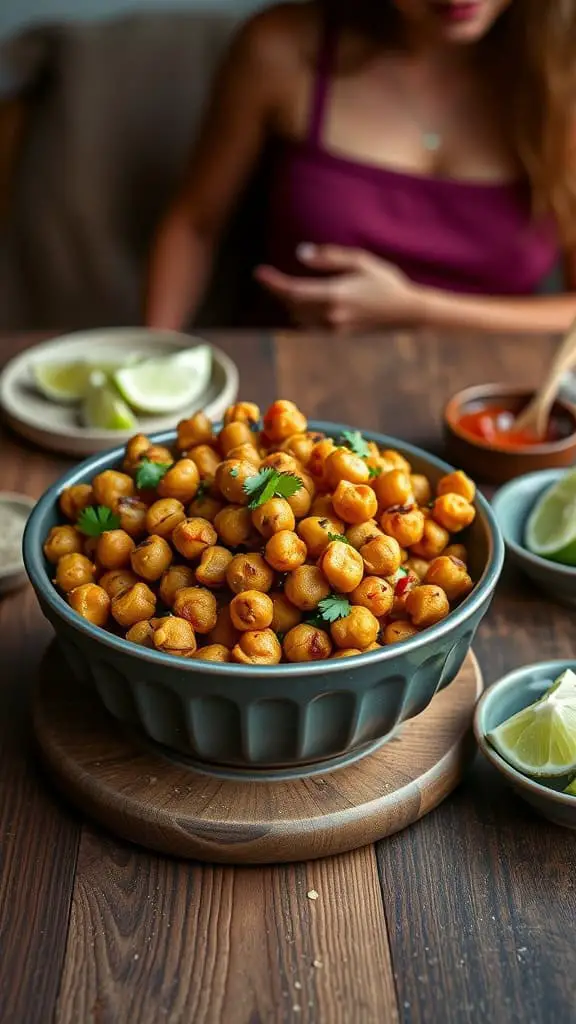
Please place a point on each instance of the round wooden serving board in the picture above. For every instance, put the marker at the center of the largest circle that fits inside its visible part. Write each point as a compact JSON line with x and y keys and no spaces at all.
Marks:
{"x":149,"y":799}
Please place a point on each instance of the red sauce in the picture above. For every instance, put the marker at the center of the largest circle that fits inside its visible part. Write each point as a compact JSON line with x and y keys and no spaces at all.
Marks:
{"x":493,"y":423}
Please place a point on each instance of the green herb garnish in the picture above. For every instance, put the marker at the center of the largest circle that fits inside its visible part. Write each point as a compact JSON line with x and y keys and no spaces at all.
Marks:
{"x":355,"y":442}
{"x":339,"y":537}
{"x":234,"y":471}
{"x":330,"y":609}
{"x":374,"y":471}
{"x":149,"y":474}
{"x":97,"y":519}
{"x":270,"y":483}
{"x":203,"y":489}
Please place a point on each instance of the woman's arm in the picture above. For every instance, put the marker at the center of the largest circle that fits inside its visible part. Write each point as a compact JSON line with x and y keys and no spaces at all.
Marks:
{"x":230,"y":143}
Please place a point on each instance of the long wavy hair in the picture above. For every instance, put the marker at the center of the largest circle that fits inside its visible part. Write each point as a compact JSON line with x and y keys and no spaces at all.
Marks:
{"x":531,"y":58}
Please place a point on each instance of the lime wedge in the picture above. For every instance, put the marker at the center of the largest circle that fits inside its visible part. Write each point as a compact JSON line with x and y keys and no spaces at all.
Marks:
{"x":62,"y":382}
{"x":571,"y":789}
{"x":551,"y":527}
{"x":166,"y":384}
{"x":103,"y":408}
{"x":541,"y":739}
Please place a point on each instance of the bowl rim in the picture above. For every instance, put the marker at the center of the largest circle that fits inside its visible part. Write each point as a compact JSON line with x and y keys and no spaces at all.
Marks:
{"x":503,"y":494}
{"x":33,"y":560}
{"x":509,"y":682}
{"x":479,"y":391}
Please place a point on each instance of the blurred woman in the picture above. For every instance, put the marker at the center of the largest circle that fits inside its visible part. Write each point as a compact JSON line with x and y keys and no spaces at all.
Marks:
{"x":423,"y":167}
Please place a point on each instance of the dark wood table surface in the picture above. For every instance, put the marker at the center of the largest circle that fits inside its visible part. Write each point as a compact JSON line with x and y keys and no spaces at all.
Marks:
{"x":468,"y":916}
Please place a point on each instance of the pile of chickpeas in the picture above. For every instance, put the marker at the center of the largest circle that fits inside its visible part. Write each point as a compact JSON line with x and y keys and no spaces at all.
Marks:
{"x":192,"y":571}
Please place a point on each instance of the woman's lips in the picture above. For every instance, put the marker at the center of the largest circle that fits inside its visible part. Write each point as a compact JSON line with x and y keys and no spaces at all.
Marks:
{"x":457,"y":11}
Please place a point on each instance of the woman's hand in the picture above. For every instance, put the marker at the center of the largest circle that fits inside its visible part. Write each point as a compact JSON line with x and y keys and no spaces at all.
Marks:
{"x":364,"y":291}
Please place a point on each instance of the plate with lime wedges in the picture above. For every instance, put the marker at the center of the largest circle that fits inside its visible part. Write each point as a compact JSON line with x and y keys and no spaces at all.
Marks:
{"x":525,"y":724}
{"x":85,"y":392}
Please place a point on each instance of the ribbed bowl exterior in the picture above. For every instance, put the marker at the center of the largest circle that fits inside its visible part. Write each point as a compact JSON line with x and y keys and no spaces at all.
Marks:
{"x":278,"y":718}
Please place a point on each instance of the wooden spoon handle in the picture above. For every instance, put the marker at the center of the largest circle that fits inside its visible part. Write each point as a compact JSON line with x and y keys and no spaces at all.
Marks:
{"x":537,"y":413}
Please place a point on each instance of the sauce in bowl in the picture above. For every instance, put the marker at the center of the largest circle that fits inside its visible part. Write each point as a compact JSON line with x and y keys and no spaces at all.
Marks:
{"x":493,"y":424}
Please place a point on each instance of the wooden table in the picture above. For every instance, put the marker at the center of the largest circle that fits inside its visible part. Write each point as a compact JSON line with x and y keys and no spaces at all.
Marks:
{"x":466,"y":917}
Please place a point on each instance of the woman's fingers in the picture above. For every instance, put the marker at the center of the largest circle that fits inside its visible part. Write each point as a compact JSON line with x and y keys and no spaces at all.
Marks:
{"x":331,"y":257}
{"x":304,"y":289}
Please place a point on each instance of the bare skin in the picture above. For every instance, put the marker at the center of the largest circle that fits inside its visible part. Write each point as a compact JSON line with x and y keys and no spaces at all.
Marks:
{"x":379,"y":104}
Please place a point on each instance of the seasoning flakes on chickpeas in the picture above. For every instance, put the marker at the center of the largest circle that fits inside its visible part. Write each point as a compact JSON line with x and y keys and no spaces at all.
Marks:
{"x":265,"y":542}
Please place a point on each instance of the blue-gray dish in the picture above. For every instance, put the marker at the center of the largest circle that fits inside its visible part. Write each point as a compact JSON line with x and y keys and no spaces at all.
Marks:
{"x":505,"y":698}
{"x":285,"y":717}
{"x":512,"y":506}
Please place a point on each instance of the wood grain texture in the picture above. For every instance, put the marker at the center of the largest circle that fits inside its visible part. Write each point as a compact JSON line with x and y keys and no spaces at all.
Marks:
{"x":141,"y":796}
{"x":154,"y":940}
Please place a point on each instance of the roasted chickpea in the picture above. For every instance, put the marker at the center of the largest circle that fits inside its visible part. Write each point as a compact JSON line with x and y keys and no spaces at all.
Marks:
{"x":403,"y":584}
{"x":249,"y":572}
{"x":214,"y":652}
{"x":242,"y":412}
{"x":282,"y":462}
{"x":251,"y":610}
{"x":73,"y":500}
{"x":427,"y":605}
{"x":134,"y":605}
{"x":193,"y":536}
{"x":214,"y":564}
{"x":195,"y":430}
{"x":434,"y":540}
{"x":300,"y":446}
{"x":348,"y":652}
{"x":457,"y":551}
{"x":113,"y":549}
{"x":73,"y":570}
{"x":141,"y":633}
{"x":132,"y":514}
{"x":234,"y":434}
{"x":342,"y":566}
{"x":91,"y":602}
{"x":116,"y":581}
{"x":362,"y":533}
{"x":273,"y":516}
{"x":151,"y":558}
{"x":258,"y":647}
{"x":246,"y":453}
{"x":317,"y":532}
{"x":180,"y":482}
{"x":396,"y":632}
{"x":453,"y":512}
{"x":234,"y":525}
{"x":135,"y":451}
{"x":375,"y":594}
{"x":224,"y":632}
{"x":451,"y":575}
{"x":358,"y":629}
{"x":206,"y":459}
{"x":175,"y":636}
{"x":285,"y":615}
{"x":230,"y":479}
{"x":394,"y":488}
{"x":420,"y":488}
{"x":342,"y":464}
{"x":285,"y":551}
{"x":404,"y":523}
{"x":300,"y":502}
{"x":307,"y":643}
{"x":63,"y":540}
{"x":205,"y":506}
{"x":306,"y":586}
{"x":395,"y":459}
{"x":110,"y":486}
{"x":354,"y":503}
{"x":282,"y":420}
{"x":382,"y":556}
{"x":163,"y":516}
{"x":322,"y":506}
{"x":417,"y":566}
{"x":316,"y":464}
{"x":198,"y":606}
{"x":160,"y":454}
{"x":175,"y":578}
{"x":457,"y":483}
{"x":90,"y":547}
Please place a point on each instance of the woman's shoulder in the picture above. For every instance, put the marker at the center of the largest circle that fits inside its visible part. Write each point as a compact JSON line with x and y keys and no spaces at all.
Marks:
{"x":281,"y":37}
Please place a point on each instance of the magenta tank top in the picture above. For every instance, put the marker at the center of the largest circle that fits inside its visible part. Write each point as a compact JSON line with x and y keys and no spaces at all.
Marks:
{"x":461,"y":236}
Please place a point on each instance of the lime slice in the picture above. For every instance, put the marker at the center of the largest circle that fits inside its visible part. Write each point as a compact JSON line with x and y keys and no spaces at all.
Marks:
{"x":541,"y":739}
{"x":166,"y":384}
{"x":551,"y":527}
{"x":62,"y":382}
{"x":571,"y":789}
{"x":103,"y":407}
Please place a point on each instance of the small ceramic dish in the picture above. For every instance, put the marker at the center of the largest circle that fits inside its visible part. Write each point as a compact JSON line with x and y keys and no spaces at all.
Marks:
{"x":504,"y":699}
{"x":56,"y":426}
{"x":12,"y":571}
{"x":487,"y":462}
{"x":512,"y":505}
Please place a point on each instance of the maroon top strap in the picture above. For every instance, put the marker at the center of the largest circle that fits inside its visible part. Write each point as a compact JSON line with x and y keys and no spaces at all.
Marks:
{"x":322,"y":79}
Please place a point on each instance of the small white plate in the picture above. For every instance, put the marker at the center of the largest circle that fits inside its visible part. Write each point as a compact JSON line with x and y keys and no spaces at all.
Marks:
{"x":12,"y":573}
{"x":58,"y":428}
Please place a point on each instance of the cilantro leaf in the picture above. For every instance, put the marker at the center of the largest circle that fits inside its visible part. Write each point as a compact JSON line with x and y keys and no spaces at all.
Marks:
{"x":353,"y":439}
{"x":234,"y":471}
{"x":203,"y":490}
{"x":340,"y":537}
{"x":270,"y":483}
{"x":149,"y":474}
{"x":97,"y":519}
{"x":374,"y":471}
{"x":330,"y":609}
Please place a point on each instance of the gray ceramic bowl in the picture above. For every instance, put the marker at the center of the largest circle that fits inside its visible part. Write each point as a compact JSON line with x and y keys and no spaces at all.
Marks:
{"x":278,"y":717}
{"x":502,"y":700}
{"x":512,"y":505}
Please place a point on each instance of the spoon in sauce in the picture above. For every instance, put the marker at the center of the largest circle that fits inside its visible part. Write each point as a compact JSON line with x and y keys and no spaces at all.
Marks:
{"x":533,"y":420}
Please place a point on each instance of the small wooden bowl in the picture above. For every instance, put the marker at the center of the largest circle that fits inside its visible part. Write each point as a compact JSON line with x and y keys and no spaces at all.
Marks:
{"x":489,"y":463}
